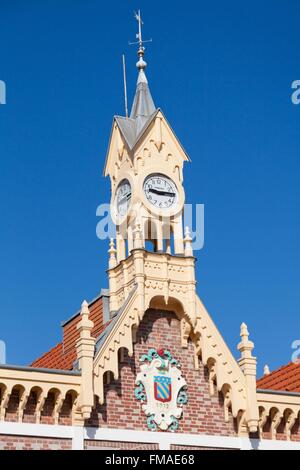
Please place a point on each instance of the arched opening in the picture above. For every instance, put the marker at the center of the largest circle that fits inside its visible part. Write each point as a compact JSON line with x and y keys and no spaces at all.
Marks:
{"x":14,"y":402}
{"x":65,"y":414}
{"x":29,"y":415}
{"x":150,"y":236}
{"x":173,"y":305}
{"x":48,"y":411}
{"x":108,"y":376}
{"x":168,"y":238}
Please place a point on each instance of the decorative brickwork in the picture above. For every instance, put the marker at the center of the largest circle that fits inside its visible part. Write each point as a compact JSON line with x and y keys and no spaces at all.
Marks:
{"x":203,"y":414}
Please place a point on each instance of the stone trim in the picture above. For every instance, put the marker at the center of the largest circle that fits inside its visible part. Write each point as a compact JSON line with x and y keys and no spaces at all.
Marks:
{"x":164,"y":439}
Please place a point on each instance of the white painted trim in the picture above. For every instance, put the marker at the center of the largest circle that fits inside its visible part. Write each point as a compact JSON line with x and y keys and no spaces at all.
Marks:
{"x":163,"y":439}
{"x":268,"y":444}
{"x":78,"y":438}
{"x":38,"y":430}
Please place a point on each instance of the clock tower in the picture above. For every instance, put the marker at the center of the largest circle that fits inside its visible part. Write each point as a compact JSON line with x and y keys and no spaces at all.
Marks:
{"x":145,"y":165}
{"x":151,"y":263}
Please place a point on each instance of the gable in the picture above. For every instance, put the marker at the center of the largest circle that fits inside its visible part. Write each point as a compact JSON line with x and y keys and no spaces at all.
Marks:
{"x":125,"y":141}
{"x":204,"y":412}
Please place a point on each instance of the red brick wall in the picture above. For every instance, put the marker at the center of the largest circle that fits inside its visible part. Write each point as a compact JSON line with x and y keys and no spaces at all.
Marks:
{"x":33,"y":443}
{"x":203,"y":414}
{"x":296,"y":432}
{"x":102,"y":445}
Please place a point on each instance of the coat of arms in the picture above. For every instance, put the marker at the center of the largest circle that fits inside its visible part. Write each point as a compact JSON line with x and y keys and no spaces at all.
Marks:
{"x":163,"y":389}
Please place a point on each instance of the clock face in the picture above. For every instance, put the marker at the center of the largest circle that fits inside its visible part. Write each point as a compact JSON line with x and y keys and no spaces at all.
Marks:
{"x":160,"y":191}
{"x":122,"y":198}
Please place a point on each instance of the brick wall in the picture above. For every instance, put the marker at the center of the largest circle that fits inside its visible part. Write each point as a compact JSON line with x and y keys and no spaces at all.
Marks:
{"x":114,"y":445}
{"x":296,"y":431}
{"x":203,"y":413}
{"x":33,"y":443}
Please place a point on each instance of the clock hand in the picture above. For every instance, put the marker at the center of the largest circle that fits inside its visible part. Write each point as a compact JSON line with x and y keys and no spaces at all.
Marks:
{"x":125,"y":198}
{"x":161,"y":193}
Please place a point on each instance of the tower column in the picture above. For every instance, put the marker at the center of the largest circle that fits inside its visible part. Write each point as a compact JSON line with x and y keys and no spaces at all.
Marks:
{"x":159,"y":235}
{"x":113,"y":301}
{"x":138,"y":259}
{"x":178,"y":236}
{"x":121,"y":247}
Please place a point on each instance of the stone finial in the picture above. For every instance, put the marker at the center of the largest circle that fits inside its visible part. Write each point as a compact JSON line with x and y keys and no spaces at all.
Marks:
{"x":85,"y":324}
{"x":112,"y":263}
{"x":84,"y":308}
{"x":188,"y":249}
{"x":266,"y":370}
{"x":245,"y":346}
{"x":244,"y":332}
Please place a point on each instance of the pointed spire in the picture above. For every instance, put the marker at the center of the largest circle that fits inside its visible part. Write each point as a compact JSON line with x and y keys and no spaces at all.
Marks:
{"x":143,"y":106}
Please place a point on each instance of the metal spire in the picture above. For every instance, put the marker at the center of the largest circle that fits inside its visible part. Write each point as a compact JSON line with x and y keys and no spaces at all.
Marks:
{"x":143,"y":106}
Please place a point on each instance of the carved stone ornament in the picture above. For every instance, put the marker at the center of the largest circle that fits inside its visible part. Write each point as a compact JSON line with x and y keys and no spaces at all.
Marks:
{"x":163,"y":389}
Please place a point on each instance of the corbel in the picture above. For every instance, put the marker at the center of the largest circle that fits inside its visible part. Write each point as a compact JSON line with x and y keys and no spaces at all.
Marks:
{"x":4,"y":403}
{"x":41,"y":398}
{"x":276,"y":418}
{"x":22,"y":404}
{"x":290,"y":419}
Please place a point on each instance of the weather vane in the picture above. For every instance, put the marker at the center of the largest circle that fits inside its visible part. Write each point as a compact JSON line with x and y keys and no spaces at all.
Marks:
{"x":140,"y":41}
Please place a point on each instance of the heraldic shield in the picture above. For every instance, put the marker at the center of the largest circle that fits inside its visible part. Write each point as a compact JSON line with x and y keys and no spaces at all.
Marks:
{"x":161,"y":389}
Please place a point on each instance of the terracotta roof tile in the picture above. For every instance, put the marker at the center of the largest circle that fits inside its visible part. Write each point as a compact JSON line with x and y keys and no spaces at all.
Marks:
{"x":63,"y":355}
{"x":287,"y":378}
{"x":56,"y":359}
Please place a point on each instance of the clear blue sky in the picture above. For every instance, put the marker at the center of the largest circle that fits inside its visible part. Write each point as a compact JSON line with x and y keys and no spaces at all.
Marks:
{"x":222,"y":73}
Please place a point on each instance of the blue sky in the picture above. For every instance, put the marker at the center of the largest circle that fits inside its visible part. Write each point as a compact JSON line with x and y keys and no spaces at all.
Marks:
{"x":222,"y":73}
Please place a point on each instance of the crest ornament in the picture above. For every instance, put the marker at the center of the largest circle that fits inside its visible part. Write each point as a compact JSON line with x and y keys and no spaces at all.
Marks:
{"x":161,"y":389}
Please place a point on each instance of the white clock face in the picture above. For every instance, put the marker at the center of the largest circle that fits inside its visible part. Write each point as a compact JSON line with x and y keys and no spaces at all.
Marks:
{"x":160,"y":191}
{"x":122,"y":198}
